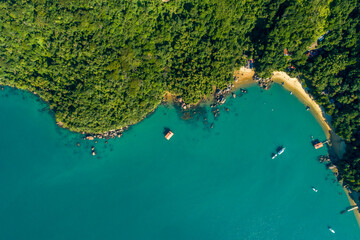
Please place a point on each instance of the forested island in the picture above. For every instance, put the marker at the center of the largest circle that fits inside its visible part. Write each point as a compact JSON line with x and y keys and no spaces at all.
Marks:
{"x":104,"y":65}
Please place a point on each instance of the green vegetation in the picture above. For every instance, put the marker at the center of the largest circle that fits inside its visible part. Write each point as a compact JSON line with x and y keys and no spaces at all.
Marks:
{"x":103,"y":65}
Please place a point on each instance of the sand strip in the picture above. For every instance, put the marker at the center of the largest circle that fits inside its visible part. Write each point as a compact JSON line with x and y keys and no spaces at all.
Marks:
{"x":353,"y":203}
{"x":337,"y":144}
{"x":293,"y":85}
{"x":243,"y":77}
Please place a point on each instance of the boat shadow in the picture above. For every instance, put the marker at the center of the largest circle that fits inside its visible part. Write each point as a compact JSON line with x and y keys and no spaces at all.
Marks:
{"x":166,"y":130}
{"x":278,"y":149}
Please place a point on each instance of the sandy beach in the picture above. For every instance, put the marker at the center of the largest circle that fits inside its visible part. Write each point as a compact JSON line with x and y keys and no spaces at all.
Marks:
{"x":293,"y":85}
{"x":337,"y":145}
{"x":244,"y":77}
{"x":353,"y":203}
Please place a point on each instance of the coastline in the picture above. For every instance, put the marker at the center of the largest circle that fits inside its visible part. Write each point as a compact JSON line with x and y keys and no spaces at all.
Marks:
{"x":337,"y":145}
{"x":353,"y":203}
{"x":244,"y":77}
{"x":293,"y":85}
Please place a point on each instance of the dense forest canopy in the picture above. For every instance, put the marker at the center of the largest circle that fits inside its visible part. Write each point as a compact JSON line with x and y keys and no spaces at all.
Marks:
{"x":103,"y":65}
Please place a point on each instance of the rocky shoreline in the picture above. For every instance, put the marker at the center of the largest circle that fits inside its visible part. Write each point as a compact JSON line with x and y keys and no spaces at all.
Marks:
{"x":106,"y":135}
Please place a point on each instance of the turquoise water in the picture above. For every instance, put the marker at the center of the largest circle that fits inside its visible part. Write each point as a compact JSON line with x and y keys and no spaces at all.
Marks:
{"x":204,"y":183}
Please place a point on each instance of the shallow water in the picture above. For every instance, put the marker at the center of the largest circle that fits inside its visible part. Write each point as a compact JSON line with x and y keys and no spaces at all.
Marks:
{"x":204,"y":183}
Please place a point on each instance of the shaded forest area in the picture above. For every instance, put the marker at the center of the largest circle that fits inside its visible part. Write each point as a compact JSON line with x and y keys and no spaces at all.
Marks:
{"x":104,"y":65}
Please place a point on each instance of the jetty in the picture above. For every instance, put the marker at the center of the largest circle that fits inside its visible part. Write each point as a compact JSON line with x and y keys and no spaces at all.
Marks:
{"x":350,"y":209}
{"x":317,"y":144}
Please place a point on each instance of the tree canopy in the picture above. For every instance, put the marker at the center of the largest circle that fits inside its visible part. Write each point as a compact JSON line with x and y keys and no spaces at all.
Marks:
{"x":103,"y":65}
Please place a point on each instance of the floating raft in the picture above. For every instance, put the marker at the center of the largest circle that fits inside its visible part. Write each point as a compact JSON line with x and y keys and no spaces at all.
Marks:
{"x":318,"y":145}
{"x":169,"y":135}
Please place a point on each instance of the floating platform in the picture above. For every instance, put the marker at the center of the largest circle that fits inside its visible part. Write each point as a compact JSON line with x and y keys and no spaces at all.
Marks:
{"x":318,"y":145}
{"x":169,"y":135}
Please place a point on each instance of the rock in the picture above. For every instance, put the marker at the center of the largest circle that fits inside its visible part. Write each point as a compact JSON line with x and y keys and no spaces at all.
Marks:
{"x":78,"y":144}
{"x":226,"y":109}
{"x":183,"y":105}
{"x":234,"y":95}
{"x":90,"y":138}
{"x":106,"y":142}
{"x":96,"y":141}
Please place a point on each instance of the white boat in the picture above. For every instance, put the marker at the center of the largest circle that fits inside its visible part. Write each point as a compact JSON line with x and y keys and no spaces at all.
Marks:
{"x":331,"y":230}
{"x":281,"y":151}
{"x":314,"y":189}
{"x":274,"y":156}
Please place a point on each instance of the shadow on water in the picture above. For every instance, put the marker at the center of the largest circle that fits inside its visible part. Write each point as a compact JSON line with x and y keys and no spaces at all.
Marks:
{"x":166,"y":130}
{"x":278,"y":149}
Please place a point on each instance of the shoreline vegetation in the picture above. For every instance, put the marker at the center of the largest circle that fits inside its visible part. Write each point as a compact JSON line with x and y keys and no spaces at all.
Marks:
{"x":106,"y":65}
{"x":244,"y":77}
{"x":337,"y":146}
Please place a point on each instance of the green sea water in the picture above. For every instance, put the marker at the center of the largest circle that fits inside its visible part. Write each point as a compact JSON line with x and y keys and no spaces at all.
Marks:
{"x":205,"y":183}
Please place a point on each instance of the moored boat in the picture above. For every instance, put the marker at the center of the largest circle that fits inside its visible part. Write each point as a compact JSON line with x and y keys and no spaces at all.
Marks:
{"x":281,"y":151}
{"x":331,"y":230}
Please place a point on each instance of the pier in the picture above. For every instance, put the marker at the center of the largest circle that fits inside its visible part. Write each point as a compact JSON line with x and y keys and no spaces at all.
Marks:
{"x":350,"y":209}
